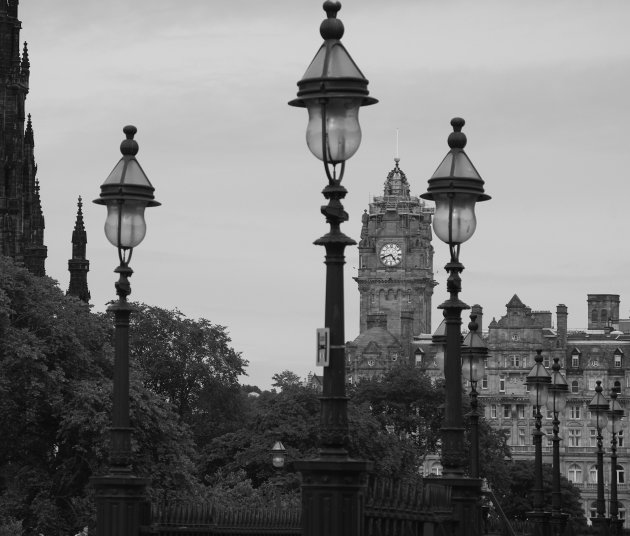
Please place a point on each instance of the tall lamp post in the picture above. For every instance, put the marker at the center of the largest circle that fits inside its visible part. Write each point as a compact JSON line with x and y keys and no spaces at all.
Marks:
{"x":599,"y":419}
{"x":333,"y":89}
{"x":556,"y":402}
{"x":456,"y":187}
{"x":474,"y":353}
{"x":120,"y":496}
{"x":615,"y":414}
{"x":538,"y":381}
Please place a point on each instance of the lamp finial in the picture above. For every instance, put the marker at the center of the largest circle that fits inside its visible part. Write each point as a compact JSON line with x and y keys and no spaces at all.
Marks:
{"x":457,"y":139}
{"x":129,"y":146}
{"x":332,"y":27}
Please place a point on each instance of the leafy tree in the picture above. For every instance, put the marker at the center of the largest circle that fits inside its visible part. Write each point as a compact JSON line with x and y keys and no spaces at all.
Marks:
{"x":519,"y":498}
{"x":191,"y":364}
{"x":285,"y":379}
{"x":405,"y":401}
{"x":56,"y":365}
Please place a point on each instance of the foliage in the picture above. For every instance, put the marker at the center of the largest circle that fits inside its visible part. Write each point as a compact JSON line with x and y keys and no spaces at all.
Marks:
{"x":519,"y":498}
{"x":56,"y":365}
{"x":405,"y":401}
{"x":285,"y":379}
{"x":190,"y":364}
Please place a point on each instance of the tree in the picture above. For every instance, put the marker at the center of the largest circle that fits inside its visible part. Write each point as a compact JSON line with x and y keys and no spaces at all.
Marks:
{"x":405,"y":401}
{"x":191,"y":364}
{"x":519,"y":499}
{"x":285,"y":379}
{"x":56,"y":365}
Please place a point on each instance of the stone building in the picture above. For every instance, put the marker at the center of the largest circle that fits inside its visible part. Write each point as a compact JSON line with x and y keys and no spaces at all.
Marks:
{"x":78,"y":265}
{"x":21,"y":218}
{"x":395,"y":279}
{"x":597,"y":352}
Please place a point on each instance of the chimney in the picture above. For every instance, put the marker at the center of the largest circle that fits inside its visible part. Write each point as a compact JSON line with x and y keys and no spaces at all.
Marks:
{"x":478,"y":310}
{"x":561,"y":318}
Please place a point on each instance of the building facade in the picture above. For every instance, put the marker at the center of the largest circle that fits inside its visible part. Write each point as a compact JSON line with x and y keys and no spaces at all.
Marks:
{"x":395,"y":279}
{"x":599,"y":352}
{"x":21,"y":218}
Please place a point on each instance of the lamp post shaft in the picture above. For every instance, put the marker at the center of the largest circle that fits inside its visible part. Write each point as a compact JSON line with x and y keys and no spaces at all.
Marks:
{"x":474,"y":431}
{"x":333,"y":485}
{"x":601,"y":502}
{"x":556,"y":495}
{"x":614,"y":505}
{"x":453,"y":424}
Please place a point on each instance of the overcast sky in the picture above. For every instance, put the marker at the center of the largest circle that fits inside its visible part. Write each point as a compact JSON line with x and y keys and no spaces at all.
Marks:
{"x":543,"y":86}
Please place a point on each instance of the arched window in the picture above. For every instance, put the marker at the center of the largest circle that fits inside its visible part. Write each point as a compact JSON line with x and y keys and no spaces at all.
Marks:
{"x":575,"y":386}
{"x":604,"y":316}
{"x":621,"y":474}
{"x":593,"y":509}
{"x":575,"y":474}
{"x":592,"y":475}
{"x":436,"y":469}
{"x":594,"y":316}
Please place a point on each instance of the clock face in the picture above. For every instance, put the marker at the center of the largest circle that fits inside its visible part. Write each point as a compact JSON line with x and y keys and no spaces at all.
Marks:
{"x":390,"y":254}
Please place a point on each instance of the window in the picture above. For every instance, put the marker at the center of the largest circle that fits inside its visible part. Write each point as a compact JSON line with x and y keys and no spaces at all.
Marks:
{"x":549,"y":436}
{"x":547,"y":360}
{"x":575,"y":474}
{"x":603,"y":316}
{"x":507,"y":411}
{"x":484,"y":382}
{"x":521,"y":437}
{"x":515,"y":361}
{"x":621,"y":474}
{"x":592,"y":474}
{"x":593,"y":435}
{"x":593,"y":509}
{"x":575,"y":387}
{"x":620,"y":438}
{"x":617,"y":360}
{"x":575,"y":360}
{"x":575,"y":435}
{"x":493,"y":411}
{"x":520,"y":411}
{"x":617,"y":387}
{"x":575,"y":412}
{"x":502,"y":384}
{"x":594,"y":316}
{"x":436,"y":469}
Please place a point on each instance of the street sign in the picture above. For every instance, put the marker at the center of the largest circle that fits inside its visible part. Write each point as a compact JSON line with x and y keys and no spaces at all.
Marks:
{"x":323,"y":347}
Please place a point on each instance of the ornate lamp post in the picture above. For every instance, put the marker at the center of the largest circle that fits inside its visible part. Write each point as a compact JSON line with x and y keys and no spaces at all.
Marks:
{"x":556,"y":402}
{"x":474,"y":353}
{"x":538,"y":381}
{"x":599,"y":419}
{"x":278,"y":455}
{"x":456,"y":187}
{"x":615,"y":414}
{"x":333,"y":89}
{"x":120,"y":503}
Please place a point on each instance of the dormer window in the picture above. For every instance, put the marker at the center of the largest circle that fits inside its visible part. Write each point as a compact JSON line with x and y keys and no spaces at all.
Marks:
{"x":575,"y":358}
{"x":618,"y":356}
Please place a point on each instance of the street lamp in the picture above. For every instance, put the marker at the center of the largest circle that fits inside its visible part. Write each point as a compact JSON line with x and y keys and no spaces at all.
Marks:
{"x":120,"y":499}
{"x":556,"y":402}
{"x":456,"y":187}
{"x":599,"y":419}
{"x":278,"y":455}
{"x":615,"y":414}
{"x":333,"y":89}
{"x":474,"y":353}
{"x":538,"y":381}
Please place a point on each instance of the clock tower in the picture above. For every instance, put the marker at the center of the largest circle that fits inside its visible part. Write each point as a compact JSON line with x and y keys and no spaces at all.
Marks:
{"x":395,"y":276}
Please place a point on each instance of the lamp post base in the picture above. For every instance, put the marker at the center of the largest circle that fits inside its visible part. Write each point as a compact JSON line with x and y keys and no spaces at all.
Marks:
{"x":121,"y":504}
{"x":466,"y":499}
{"x":601,"y":525}
{"x":540,"y":521}
{"x":333,"y":496}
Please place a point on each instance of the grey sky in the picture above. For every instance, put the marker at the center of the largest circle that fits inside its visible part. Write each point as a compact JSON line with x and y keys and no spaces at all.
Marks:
{"x":543,"y":86}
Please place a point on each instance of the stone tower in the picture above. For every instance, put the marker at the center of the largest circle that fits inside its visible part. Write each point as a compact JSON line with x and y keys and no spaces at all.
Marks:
{"x":603,"y":311}
{"x":395,"y":275}
{"x":21,"y":218}
{"x":78,"y":265}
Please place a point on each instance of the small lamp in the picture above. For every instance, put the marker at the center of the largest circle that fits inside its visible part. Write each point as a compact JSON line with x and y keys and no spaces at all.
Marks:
{"x":455,"y":187}
{"x":126,"y":192}
{"x":333,"y":89}
{"x":558,"y":389}
{"x":278,"y":455}
{"x":599,"y":407}
{"x":538,"y":381}
{"x":474,"y":353}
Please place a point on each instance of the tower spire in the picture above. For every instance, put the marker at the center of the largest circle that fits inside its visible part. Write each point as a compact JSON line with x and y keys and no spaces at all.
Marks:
{"x":79,"y":266}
